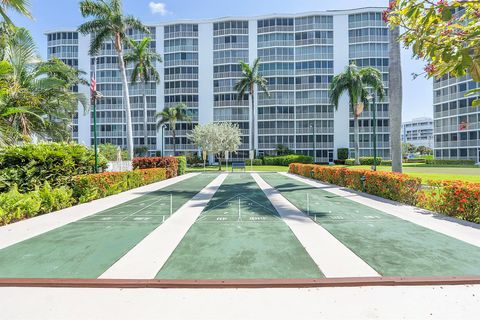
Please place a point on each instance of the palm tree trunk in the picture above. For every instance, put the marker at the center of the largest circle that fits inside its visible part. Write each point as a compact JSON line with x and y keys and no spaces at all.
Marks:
{"x":253,"y":123}
{"x":395,"y":100}
{"x":174,"y":142}
{"x":145,"y":117}
{"x":356,"y":134}
{"x":126,"y":101}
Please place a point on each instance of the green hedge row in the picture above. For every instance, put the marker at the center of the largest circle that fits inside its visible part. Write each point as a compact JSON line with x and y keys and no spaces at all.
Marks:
{"x":182,"y":165}
{"x":363,"y":161}
{"x":441,"y":162}
{"x":256,"y":162}
{"x":287,"y":160}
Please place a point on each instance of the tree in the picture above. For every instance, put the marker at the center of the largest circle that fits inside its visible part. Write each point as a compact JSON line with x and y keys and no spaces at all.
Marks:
{"x":424,"y":150}
{"x":170,"y":116}
{"x":395,"y":100}
{"x":446,"y":34}
{"x":35,"y":95}
{"x":144,"y":71}
{"x":226,"y":138}
{"x":251,"y":78}
{"x":110,"y":24}
{"x":20,"y":6}
{"x":354,"y":82}
{"x":408,"y":148}
{"x":282,"y":150}
{"x":203,"y":137}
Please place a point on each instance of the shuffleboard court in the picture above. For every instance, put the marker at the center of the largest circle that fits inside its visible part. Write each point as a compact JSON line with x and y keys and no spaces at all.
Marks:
{"x":88,"y":247}
{"x":392,"y":246}
{"x":239,"y":235}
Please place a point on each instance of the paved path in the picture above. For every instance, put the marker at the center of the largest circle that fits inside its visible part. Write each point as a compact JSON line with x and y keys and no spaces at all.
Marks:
{"x":147,"y":257}
{"x":26,"y":229}
{"x":331,"y":256}
{"x":446,"y":302}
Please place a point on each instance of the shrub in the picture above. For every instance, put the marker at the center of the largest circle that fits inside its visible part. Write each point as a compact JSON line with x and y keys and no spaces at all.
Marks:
{"x":457,"y":199}
{"x":386,"y":163}
{"x":95,"y":186}
{"x":256,"y":162}
{"x":339,"y":162}
{"x":182,"y":165}
{"x":447,"y":162}
{"x":342,"y":153}
{"x":54,"y":199}
{"x":31,"y":165}
{"x":419,"y":160}
{"x":169,"y":163}
{"x":393,"y":186}
{"x":110,"y":152}
{"x":287,"y":160}
{"x":364,"y":161}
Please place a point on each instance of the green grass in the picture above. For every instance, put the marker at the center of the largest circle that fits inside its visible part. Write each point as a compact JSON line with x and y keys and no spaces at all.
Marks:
{"x":255,"y":168}
{"x":425,"y":172}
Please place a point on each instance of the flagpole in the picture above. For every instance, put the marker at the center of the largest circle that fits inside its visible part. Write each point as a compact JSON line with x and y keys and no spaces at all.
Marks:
{"x":94,"y":99}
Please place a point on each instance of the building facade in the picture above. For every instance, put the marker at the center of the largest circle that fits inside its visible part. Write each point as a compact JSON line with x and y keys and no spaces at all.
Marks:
{"x":299,"y":55}
{"x":456,"y":122}
{"x":418,"y":131}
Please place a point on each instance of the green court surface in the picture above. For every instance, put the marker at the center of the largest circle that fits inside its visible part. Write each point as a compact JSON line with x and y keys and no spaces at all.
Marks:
{"x":239,"y":235}
{"x":88,"y":247}
{"x":390,"y":245}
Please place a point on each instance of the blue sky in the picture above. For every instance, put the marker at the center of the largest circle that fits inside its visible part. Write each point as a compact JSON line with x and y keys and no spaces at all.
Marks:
{"x":52,"y":14}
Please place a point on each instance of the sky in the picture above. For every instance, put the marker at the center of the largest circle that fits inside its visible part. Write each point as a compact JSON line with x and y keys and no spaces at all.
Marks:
{"x":54,"y":14}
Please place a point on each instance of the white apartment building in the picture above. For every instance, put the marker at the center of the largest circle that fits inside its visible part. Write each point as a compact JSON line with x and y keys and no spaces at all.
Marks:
{"x":300,"y":54}
{"x":418,"y":131}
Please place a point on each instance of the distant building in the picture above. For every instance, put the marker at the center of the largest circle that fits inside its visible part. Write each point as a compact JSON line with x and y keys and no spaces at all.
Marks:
{"x":418,"y":132}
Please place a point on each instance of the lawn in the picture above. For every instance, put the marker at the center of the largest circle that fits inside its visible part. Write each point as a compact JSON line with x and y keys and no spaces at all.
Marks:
{"x":425,"y":172}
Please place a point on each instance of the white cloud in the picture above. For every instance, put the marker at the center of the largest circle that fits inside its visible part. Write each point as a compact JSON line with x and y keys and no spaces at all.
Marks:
{"x":158,"y":7}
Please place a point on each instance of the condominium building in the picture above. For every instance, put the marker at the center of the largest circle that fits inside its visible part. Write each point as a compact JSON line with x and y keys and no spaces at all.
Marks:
{"x":299,"y":54}
{"x":418,"y":131}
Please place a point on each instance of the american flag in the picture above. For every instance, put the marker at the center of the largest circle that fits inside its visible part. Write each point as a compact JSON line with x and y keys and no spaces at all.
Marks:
{"x":93,"y":81}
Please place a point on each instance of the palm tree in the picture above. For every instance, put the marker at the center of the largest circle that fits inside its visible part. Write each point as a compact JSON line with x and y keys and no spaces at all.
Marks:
{"x":251,"y":77}
{"x":35,"y":96}
{"x":354,"y":82}
{"x":395,"y":99}
{"x":144,"y":71}
{"x":109,"y":24}
{"x":170,"y":116}
{"x":20,"y":6}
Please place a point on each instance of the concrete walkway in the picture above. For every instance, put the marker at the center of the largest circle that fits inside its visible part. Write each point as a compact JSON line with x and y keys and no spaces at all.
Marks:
{"x":462,"y":230}
{"x":358,"y":303}
{"x":26,"y":229}
{"x":330,"y":255}
{"x":148,"y":256}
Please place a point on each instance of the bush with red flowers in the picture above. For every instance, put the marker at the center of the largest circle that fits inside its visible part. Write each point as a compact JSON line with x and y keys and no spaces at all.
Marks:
{"x":168,"y":163}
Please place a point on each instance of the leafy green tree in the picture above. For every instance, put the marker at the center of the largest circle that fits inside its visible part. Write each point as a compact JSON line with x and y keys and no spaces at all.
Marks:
{"x":170,"y":116}
{"x":355,"y":82}
{"x":144,"y":71}
{"x":203,"y":137}
{"x":111,"y":152}
{"x":251,"y":78}
{"x":424,"y":150}
{"x":19,"y":6}
{"x":282,"y":150}
{"x":109,"y":24}
{"x":446,"y":34}
{"x":35,"y":96}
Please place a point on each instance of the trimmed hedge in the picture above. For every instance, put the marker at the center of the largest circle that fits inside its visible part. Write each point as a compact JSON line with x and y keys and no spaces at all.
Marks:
{"x":393,"y":186}
{"x":256,"y":162}
{"x":342,"y":153}
{"x":169,"y":163}
{"x":445,"y":162}
{"x":31,"y":165}
{"x":182,"y":165}
{"x":95,"y":186}
{"x":287,"y":160}
{"x":364,"y":161}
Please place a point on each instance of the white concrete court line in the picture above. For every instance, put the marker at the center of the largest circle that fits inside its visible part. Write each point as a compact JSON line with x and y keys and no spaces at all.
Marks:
{"x":146,"y":259}
{"x":330,"y":255}
{"x":26,"y":229}
{"x":462,"y":230}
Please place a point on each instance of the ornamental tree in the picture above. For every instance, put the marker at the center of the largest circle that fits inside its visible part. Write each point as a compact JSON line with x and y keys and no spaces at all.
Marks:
{"x":446,"y":34}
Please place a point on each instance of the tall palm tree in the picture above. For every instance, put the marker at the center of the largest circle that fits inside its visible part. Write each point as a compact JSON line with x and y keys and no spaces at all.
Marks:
{"x":144,"y":71}
{"x":110,"y":24}
{"x":170,"y":116}
{"x":251,"y":78}
{"x":354,"y":81}
{"x":35,"y":96}
{"x":395,"y":99}
{"x":20,"y":6}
